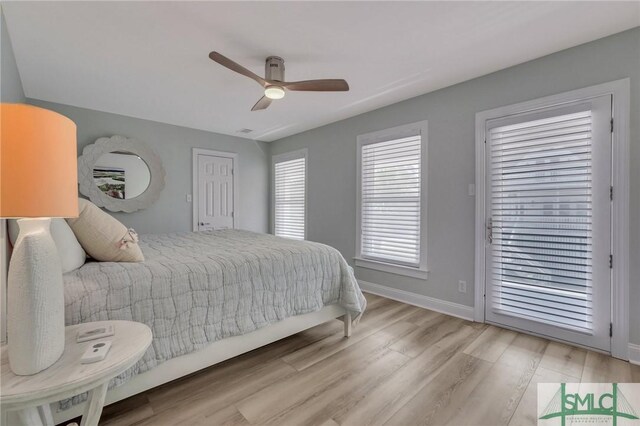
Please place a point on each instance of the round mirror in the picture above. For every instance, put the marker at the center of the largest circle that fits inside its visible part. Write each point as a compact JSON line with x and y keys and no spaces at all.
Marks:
{"x":121,"y":174}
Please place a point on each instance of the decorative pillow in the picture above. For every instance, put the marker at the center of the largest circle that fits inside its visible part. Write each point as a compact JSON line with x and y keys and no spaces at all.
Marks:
{"x":103,"y":236}
{"x":72,"y":256}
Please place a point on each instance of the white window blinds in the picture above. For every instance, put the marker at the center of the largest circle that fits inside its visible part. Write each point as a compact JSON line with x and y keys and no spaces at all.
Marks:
{"x":390,"y":201}
{"x":290,"y":176}
{"x":541,"y":207}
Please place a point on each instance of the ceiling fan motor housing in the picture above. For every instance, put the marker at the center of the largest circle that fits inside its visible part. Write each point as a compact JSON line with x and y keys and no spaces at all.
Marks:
{"x":274,"y":68}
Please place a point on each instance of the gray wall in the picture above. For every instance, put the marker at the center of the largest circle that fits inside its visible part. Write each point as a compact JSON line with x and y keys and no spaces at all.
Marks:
{"x":173,"y":144}
{"x":451,"y":162}
{"x":10,"y":83}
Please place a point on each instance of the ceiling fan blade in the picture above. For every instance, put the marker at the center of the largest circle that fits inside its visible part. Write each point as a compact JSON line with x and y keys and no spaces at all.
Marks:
{"x":328,"y":85}
{"x":263,"y":103}
{"x":234,"y":66}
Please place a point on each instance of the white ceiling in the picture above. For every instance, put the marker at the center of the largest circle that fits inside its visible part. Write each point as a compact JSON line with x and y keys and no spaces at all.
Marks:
{"x":149,"y":59}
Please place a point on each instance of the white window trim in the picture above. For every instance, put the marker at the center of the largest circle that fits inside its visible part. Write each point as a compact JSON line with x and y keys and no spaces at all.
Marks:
{"x":279,"y":158}
{"x":194,"y":186}
{"x":411,"y":129}
{"x":620,"y":90}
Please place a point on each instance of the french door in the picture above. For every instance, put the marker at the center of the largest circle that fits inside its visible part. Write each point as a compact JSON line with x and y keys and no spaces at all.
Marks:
{"x":548,"y":211}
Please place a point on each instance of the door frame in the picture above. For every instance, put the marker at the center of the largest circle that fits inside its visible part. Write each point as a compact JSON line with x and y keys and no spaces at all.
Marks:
{"x":195,"y":189}
{"x":620,"y":90}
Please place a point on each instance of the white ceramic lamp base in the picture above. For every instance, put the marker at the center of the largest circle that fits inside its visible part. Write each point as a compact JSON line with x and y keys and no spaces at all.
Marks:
{"x":35,"y":312}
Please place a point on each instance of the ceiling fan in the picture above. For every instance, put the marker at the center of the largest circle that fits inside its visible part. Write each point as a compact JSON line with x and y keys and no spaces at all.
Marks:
{"x":274,"y":84}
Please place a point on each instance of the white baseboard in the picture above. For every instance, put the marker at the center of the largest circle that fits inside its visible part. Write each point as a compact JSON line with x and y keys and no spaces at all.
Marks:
{"x":438,"y":305}
{"x":634,"y":354}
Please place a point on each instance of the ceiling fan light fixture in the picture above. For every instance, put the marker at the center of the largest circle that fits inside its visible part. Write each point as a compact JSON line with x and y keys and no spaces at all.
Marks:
{"x":274,"y":92}
{"x":274,"y":83}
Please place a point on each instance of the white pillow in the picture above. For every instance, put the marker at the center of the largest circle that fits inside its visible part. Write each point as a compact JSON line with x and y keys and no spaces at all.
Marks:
{"x":103,"y":236}
{"x":72,"y":256}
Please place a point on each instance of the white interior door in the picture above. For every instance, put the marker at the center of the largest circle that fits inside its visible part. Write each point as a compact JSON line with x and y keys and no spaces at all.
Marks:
{"x":215,"y":192}
{"x":549,"y":222}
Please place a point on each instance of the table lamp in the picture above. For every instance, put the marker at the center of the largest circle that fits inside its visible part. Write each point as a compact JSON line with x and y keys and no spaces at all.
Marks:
{"x":38,"y":180}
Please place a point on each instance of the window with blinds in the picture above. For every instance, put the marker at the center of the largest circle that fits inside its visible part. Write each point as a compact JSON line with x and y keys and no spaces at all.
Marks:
{"x":541,"y":209}
{"x":390,"y":209}
{"x":290,"y":196}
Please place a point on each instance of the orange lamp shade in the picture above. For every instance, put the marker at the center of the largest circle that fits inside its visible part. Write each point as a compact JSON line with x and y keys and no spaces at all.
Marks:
{"x":38,"y":166}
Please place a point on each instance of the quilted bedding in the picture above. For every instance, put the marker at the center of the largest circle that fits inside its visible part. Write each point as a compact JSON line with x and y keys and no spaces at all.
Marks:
{"x":197,"y":288}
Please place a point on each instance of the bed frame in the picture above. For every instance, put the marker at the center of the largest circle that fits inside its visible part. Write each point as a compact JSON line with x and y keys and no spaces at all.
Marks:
{"x":215,"y":353}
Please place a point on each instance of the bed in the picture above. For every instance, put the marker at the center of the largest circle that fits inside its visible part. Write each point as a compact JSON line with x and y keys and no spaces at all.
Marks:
{"x":209,"y":296}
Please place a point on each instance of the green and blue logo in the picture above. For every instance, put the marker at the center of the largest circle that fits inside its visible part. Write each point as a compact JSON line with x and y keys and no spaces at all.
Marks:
{"x":591,"y":403}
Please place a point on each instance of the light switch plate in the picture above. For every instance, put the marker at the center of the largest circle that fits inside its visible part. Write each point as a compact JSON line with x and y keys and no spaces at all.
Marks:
{"x":462,"y":286}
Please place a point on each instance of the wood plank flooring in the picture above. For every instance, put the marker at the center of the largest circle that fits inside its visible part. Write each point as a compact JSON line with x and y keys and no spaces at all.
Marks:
{"x":402,"y":366}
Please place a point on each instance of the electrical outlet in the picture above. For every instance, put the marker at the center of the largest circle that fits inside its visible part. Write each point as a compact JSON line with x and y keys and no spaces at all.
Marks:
{"x":188,"y":198}
{"x":472,"y":189}
{"x":462,"y":286}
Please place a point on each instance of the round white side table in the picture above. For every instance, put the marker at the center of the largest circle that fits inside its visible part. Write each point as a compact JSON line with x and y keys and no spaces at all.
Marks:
{"x":31,"y":395}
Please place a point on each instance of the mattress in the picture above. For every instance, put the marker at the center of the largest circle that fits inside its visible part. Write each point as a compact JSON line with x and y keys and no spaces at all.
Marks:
{"x":197,"y":288}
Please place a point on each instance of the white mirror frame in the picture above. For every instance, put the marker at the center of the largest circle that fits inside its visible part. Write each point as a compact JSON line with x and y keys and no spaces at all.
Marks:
{"x":88,"y":159}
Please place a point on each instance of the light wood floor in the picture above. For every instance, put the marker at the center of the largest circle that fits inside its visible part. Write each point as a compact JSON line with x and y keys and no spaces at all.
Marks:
{"x":402,"y":366}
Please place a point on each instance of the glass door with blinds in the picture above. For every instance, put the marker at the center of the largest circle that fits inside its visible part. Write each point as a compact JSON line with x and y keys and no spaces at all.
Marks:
{"x":548,"y":212}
